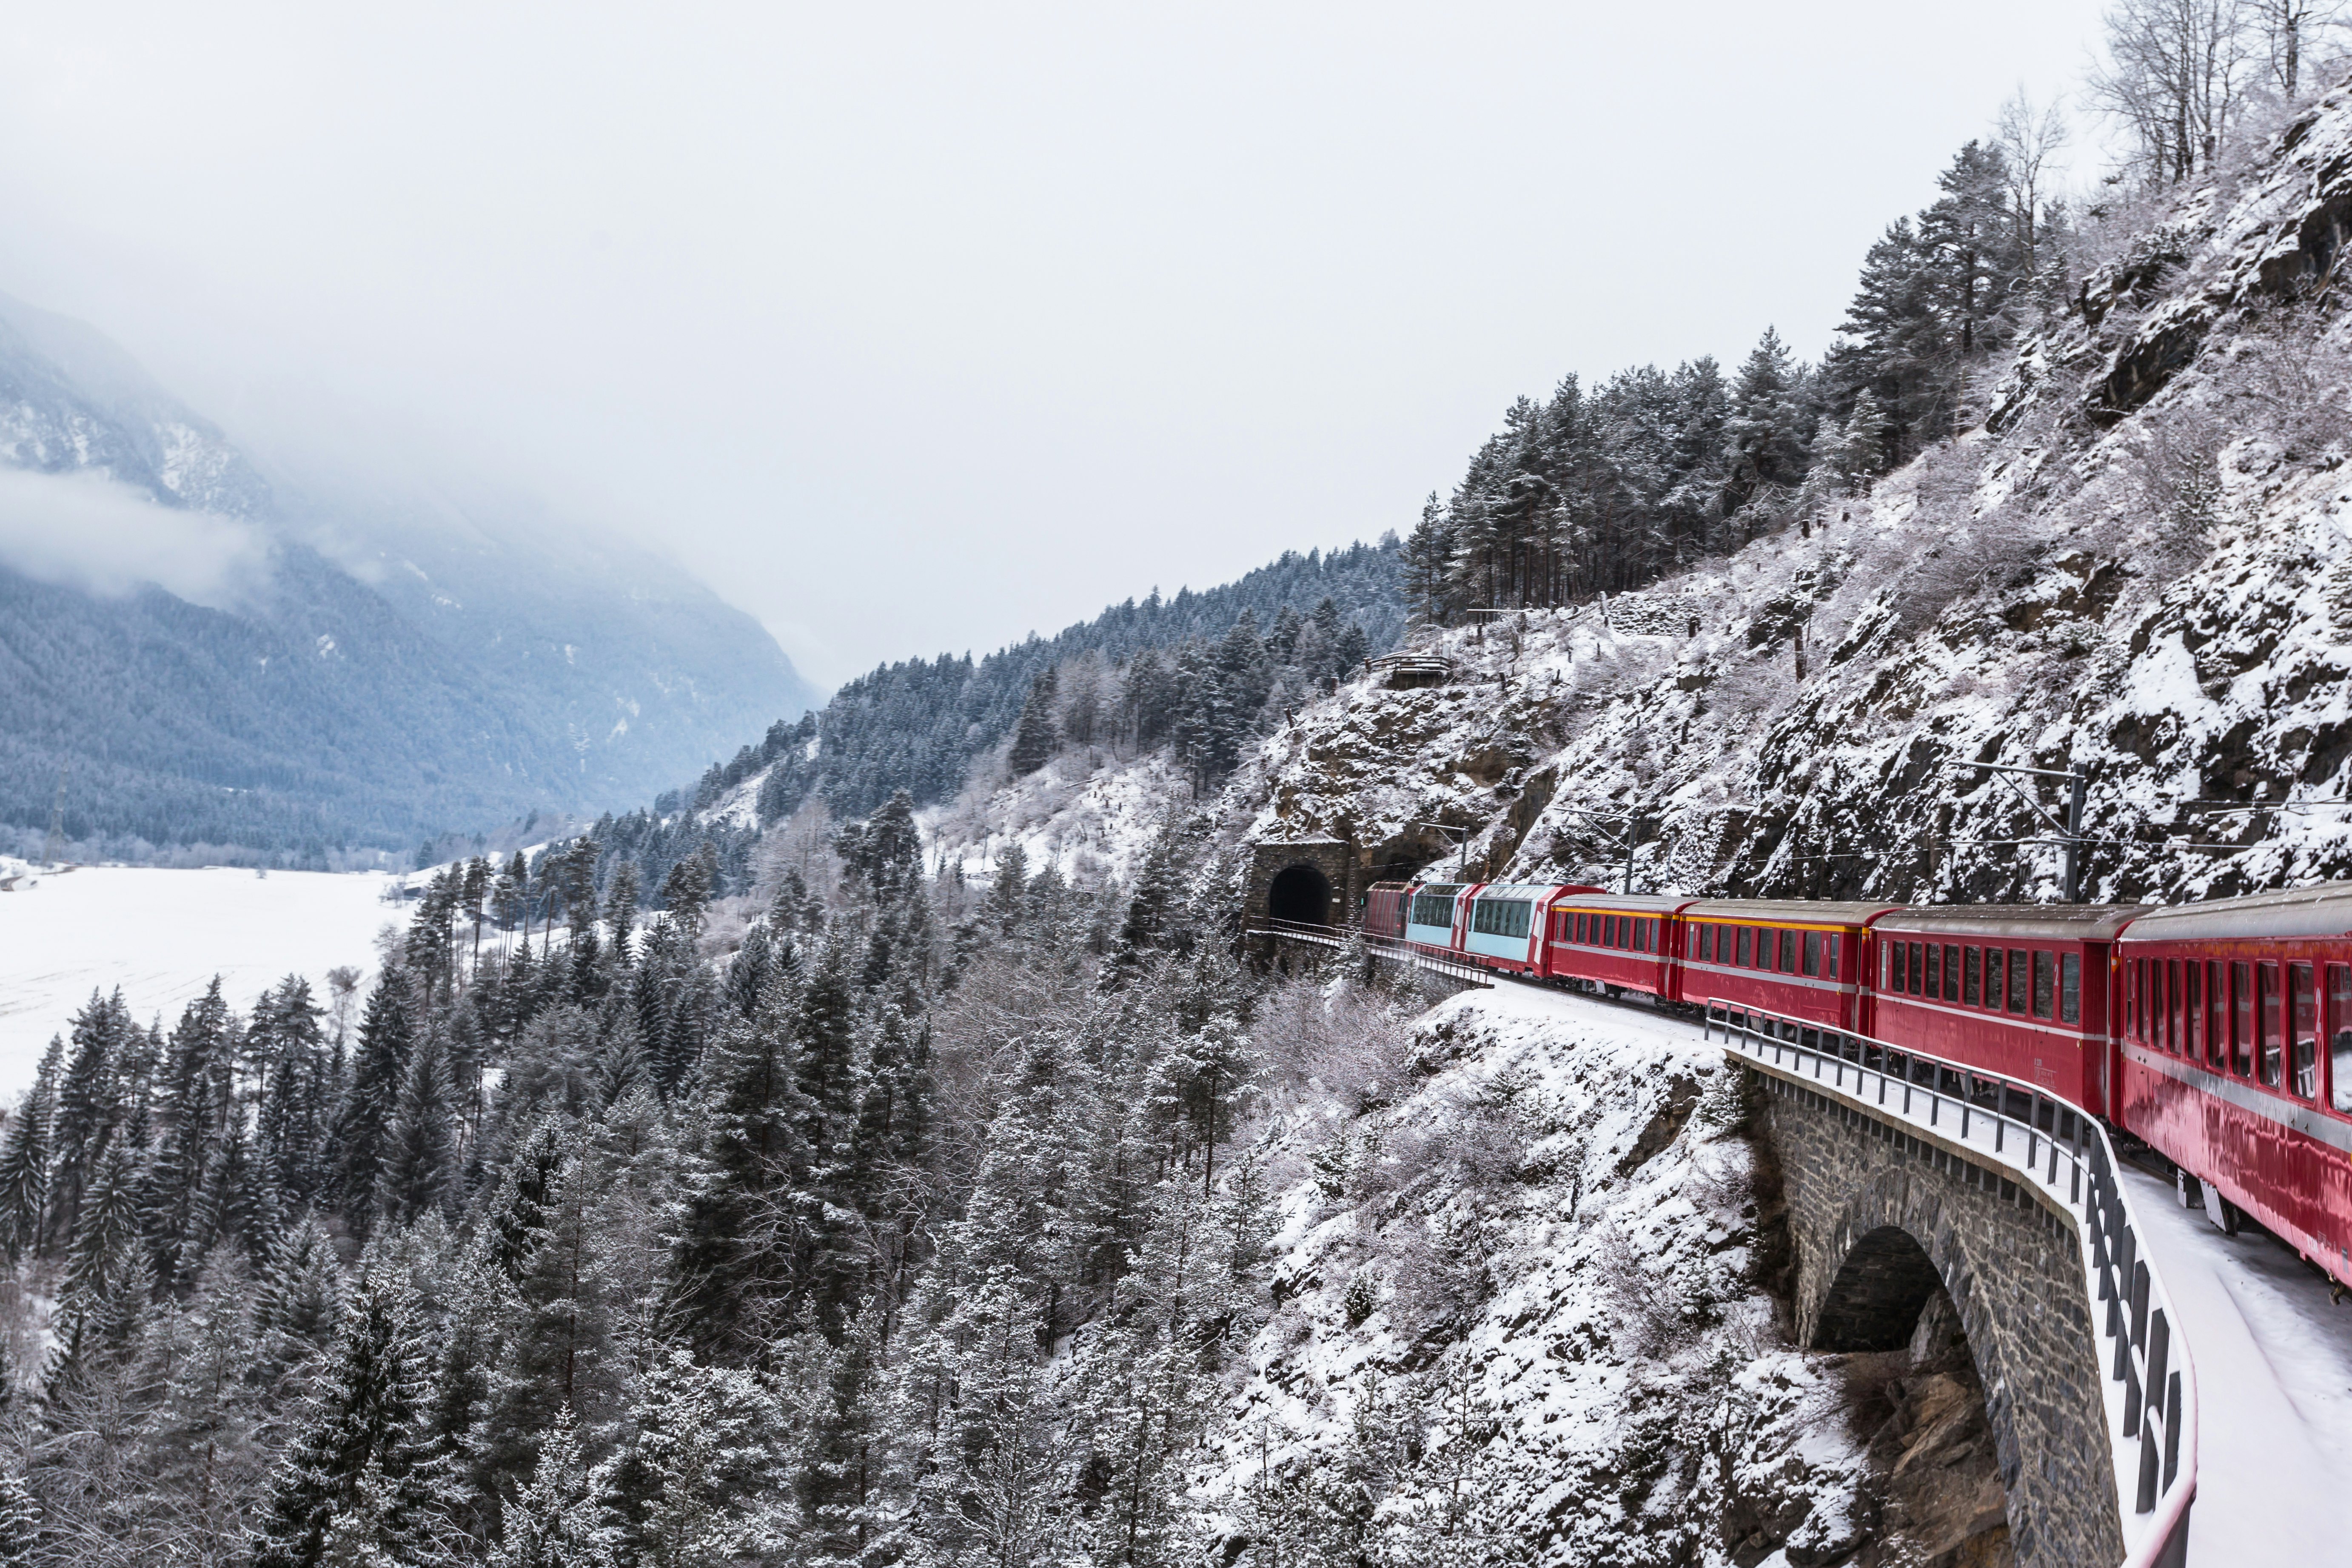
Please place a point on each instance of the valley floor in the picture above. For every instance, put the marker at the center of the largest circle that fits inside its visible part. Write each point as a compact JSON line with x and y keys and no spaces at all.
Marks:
{"x":162,"y":935}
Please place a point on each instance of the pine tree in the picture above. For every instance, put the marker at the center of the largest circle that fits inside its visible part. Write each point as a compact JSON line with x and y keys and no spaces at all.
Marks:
{"x":25,"y":1160}
{"x":20,"y":1523}
{"x":1034,"y":737}
{"x":556,"y":1519}
{"x":360,"y":1465}
{"x":363,"y":1126}
{"x":420,"y":1158}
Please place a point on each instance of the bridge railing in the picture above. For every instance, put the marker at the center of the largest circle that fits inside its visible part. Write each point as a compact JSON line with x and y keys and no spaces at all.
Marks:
{"x":1436,"y":959}
{"x":2150,"y":1387}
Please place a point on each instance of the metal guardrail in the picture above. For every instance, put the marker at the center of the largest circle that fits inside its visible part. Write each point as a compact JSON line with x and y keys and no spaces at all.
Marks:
{"x":2150,"y":1390}
{"x":1437,"y":961}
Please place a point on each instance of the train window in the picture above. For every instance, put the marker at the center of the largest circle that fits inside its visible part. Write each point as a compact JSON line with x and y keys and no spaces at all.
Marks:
{"x":1641,"y":936}
{"x":2303,"y":1015}
{"x":1972,"y":987}
{"x":2241,"y":1018}
{"x":1951,"y":972}
{"x":1812,"y":952}
{"x":1743,"y":946}
{"x":2168,"y":1005}
{"x":1832,"y":941}
{"x":2273,"y":1056}
{"x":2070,"y":988}
{"x":1992,"y":978}
{"x":2217,"y":1015}
{"x":2045,"y":981}
{"x":2193,"y":1009}
{"x":1934,"y":970}
{"x":2339,"y":1035}
{"x":1788,"y":952}
{"x":1706,"y":944}
{"x":2017,"y":978}
{"x":1609,"y":931}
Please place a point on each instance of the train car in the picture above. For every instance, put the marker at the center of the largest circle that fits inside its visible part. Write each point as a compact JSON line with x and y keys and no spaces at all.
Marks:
{"x":1799,"y":958}
{"x":2237,"y":1057}
{"x":2018,"y":989}
{"x":1433,"y":913}
{"x":1384,"y":909}
{"x":1617,"y":942}
{"x":1505,"y":925}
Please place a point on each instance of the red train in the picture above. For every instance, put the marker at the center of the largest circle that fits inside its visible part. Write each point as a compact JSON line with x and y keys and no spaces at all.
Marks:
{"x":2218,"y":1033}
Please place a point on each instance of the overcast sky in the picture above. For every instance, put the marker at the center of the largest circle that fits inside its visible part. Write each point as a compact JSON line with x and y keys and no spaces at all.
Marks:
{"x":915,"y":329}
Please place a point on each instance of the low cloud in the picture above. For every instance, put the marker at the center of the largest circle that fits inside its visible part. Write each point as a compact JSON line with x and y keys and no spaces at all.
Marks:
{"x":90,"y":532}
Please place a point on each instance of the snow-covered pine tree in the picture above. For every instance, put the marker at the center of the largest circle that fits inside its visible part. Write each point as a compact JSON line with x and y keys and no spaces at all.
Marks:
{"x":1034,"y":736}
{"x":360,"y":1468}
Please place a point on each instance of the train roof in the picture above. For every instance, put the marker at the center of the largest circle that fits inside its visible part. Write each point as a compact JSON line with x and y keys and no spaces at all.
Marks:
{"x":2322,"y":911}
{"x":1516,"y":890}
{"x":1632,"y":903}
{"x":1813,"y":912}
{"x":2050,"y":922}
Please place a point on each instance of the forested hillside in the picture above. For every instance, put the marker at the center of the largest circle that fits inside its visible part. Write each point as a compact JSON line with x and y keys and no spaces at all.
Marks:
{"x":196,"y":663}
{"x":1198,"y":670}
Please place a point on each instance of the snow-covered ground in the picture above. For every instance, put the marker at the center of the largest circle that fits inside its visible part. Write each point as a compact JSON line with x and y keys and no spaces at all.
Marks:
{"x":162,"y":935}
{"x":2273,"y":1389}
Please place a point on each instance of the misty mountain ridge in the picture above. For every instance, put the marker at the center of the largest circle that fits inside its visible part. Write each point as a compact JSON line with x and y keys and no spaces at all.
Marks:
{"x":211,"y":650}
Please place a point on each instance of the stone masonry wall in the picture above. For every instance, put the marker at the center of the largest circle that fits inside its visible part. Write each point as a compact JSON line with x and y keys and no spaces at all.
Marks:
{"x":2013,"y":1267}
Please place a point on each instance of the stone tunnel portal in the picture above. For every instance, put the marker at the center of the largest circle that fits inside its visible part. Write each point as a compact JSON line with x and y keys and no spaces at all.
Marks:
{"x":1299,"y":893}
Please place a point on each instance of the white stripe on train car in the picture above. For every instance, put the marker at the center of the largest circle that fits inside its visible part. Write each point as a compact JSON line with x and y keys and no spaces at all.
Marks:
{"x":2288,"y":1113}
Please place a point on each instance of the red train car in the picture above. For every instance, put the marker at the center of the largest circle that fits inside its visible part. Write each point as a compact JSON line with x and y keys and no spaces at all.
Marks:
{"x":1622,"y":941}
{"x":2237,"y":1056}
{"x":1384,"y":909}
{"x":1796,"y":957}
{"x":2020,"y":989}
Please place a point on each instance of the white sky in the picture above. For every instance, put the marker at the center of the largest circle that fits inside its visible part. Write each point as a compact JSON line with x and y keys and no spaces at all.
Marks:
{"x":917,"y":328}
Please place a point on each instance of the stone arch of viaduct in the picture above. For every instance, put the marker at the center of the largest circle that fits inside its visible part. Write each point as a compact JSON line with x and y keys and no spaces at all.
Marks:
{"x":1879,"y":1215}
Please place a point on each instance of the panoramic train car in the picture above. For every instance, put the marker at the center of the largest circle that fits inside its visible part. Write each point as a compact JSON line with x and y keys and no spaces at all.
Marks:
{"x":2237,"y":1056}
{"x":1384,"y":909}
{"x":1505,"y":925}
{"x":1613,"y":940}
{"x":2018,"y":989}
{"x":1433,"y":913}
{"x":1795,"y":957}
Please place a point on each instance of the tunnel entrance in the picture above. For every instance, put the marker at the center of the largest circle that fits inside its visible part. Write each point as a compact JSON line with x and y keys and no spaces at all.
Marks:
{"x":1875,"y":1304}
{"x":1300,"y":893}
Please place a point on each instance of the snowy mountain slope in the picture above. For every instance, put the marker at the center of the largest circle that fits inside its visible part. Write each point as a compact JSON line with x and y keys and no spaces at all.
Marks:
{"x":1520,"y":1304}
{"x":211,"y":654}
{"x":2145,"y":570}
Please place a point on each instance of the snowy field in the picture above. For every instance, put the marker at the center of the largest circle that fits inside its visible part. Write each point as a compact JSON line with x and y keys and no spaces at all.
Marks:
{"x":162,"y":935}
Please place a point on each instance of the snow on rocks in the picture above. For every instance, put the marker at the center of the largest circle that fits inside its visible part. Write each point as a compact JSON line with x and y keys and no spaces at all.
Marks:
{"x":1087,"y":812}
{"x":1517,"y":1299}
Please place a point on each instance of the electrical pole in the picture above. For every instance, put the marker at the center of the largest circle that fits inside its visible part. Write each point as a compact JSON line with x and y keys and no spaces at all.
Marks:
{"x":2074,"y":834}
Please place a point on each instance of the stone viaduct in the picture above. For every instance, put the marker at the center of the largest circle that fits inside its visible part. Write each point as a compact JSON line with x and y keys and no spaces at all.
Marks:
{"x":1881,"y":1213}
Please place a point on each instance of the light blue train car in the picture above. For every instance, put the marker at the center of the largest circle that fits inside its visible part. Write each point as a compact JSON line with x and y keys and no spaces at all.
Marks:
{"x":1431,"y":915}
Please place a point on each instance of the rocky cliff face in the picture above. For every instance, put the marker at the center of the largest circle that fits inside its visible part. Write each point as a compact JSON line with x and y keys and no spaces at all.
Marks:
{"x":2142,"y":567}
